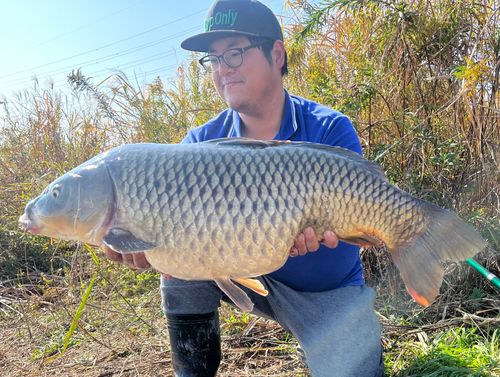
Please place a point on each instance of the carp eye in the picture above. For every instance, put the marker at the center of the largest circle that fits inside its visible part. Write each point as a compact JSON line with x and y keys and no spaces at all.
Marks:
{"x":55,"y":191}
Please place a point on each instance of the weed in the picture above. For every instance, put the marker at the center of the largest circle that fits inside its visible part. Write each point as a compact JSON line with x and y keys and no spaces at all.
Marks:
{"x":419,"y":80}
{"x":456,"y":352}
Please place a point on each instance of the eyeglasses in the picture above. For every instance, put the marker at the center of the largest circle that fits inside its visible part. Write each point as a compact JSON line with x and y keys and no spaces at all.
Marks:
{"x":232,"y":57}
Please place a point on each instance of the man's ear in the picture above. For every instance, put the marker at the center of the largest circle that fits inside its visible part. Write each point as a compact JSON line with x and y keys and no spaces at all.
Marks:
{"x":278,"y":54}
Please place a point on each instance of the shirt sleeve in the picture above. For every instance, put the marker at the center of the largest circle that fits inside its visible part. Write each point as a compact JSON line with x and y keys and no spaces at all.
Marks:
{"x":189,"y":138}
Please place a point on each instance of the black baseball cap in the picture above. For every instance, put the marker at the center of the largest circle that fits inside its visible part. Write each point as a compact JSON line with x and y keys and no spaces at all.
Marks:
{"x":229,"y":18}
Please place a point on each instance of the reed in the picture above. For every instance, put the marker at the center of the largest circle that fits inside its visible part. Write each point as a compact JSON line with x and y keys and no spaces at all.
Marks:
{"x":420,"y":82}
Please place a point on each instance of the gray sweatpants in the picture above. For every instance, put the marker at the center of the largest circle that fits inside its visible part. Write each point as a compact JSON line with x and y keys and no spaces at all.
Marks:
{"x":338,"y":329}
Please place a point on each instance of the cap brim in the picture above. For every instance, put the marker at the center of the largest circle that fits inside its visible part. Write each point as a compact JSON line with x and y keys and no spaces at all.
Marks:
{"x":201,"y":42}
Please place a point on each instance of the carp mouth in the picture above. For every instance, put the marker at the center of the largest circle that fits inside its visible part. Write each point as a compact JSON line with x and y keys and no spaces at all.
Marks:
{"x":30,"y":221}
{"x":75,"y":217}
{"x":29,"y":225}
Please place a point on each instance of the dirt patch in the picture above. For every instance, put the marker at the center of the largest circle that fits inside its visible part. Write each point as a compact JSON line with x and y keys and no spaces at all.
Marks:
{"x":256,"y":352}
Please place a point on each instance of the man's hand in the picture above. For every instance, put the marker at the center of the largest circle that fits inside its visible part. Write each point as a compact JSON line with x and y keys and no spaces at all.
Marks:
{"x":305,"y":241}
{"x":134,"y":261}
{"x":308,"y":241}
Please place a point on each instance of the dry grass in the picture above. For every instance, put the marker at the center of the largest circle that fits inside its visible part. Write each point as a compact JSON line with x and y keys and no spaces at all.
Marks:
{"x":123,"y":336}
{"x":419,"y":81}
{"x":122,"y":331}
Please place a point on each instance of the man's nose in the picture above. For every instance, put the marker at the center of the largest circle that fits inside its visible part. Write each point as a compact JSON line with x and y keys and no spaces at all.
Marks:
{"x":224,"y":69}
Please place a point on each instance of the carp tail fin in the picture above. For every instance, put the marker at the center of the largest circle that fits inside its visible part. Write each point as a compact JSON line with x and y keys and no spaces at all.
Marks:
{"x":445,"y":238}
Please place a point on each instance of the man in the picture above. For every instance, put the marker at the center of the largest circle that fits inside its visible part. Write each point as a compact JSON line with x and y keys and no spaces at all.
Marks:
{"x":319,"y":297}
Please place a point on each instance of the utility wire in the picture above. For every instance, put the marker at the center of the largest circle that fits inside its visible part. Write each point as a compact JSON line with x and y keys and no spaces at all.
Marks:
{"x":137,"y":63}
{"x":82,"y":27}
{"x":110,"y":71}
{"x":112,"y":56}
{"x":10,"y":83}
{"x":122,"y":66}
{"x":158,"y":70}
{"x":108,"y":45}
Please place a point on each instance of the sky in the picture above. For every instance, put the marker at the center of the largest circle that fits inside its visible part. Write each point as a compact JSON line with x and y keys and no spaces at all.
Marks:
{"x":48,"y":39}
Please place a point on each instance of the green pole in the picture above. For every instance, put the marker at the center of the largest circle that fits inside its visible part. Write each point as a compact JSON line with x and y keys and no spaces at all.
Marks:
{"x":483,"y":271}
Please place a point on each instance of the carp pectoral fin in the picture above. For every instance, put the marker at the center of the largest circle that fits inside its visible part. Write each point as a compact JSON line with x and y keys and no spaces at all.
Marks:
{"x":254,"y":285}
{"x":236,"y":294}
{"x":124,"y":242}
{"x":365,"y":240}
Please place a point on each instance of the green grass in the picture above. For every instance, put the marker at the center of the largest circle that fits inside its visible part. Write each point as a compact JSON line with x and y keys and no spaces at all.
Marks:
{"x":380,"y":63}
{"x":123,"y":317}
{"x":456,"y":352}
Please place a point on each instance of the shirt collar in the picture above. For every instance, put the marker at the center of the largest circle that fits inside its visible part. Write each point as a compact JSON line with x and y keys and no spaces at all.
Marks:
{"x":287,"y":128}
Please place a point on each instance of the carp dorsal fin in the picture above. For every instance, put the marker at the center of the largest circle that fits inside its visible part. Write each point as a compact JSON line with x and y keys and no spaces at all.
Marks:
{"x":235,"y":293}
{"x":246,"y":142}
{"x":124,"y":242}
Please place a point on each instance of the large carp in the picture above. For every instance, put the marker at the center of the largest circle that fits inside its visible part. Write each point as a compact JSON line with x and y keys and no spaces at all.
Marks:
{"x":231,"y":209}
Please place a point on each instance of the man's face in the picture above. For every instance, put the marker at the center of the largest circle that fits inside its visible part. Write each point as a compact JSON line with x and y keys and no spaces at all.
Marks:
{"x":245,"y":87}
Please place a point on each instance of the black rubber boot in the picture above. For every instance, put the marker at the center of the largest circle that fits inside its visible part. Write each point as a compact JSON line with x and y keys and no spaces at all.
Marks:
{"x":195,"y":344}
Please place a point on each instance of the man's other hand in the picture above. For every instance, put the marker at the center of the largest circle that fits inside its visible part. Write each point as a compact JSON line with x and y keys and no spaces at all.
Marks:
{"x":134,"y":261}
{"x":308,"y":241}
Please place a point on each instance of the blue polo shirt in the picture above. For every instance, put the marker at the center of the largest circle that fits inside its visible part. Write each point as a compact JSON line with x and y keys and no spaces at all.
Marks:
{"x":303,"y":120}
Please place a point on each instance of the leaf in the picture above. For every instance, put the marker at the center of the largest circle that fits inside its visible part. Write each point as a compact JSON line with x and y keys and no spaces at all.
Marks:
{"x":77,"y":316}
{"x":476,"y":294}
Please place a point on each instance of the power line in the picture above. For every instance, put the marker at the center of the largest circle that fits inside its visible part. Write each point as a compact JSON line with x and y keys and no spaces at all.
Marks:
{"x":128,"y":65}
{"x":108,"y":45}
{"x":148,"y":73}
{"x":93,"y":74}
{"x":12,"y":82}
{"x":134,"y":64}
{"x":82,"y":27}
{"x":125,"y":66}
{"x":109,"y":71}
